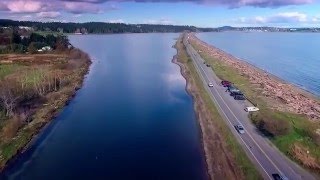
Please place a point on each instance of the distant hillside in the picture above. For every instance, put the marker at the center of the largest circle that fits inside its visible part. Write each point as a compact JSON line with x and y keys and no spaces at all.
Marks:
{"x":99,"y":27}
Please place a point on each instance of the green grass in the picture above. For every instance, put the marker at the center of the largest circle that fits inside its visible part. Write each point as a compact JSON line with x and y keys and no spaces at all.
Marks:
{"x":301,"y":126}
{"x":6,"y":69}
{"x":241,"y":158}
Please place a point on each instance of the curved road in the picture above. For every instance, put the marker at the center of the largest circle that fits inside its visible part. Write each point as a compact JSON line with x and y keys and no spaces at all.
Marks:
{"x":267,"y":158}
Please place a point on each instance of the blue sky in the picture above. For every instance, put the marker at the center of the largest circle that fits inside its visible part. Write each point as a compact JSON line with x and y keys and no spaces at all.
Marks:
{"x":202,"y":13}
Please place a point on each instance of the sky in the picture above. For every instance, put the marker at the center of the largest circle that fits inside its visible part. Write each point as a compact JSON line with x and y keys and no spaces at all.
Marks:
{"x":200,"y":13}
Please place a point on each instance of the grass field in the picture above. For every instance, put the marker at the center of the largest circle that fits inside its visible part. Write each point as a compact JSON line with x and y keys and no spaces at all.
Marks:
{"x":234,"y":150}
{"x":6,"y":69}
{"x":301,"y":129}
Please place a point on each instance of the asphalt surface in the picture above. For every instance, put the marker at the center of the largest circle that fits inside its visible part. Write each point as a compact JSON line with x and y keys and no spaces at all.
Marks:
{"x":267,"y":158}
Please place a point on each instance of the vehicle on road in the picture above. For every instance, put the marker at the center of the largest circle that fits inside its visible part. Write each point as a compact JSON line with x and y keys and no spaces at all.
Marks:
{"x":234,"y":93}
{"x":239,"y":97}
{"x":239,"y":128}
{"x":232,"y":88}
{"x":210,"y":85}
{"x":277,"y":176}
{"x":208,"y":65}
{"x":225,"y":83}
{"x":251,"y":109}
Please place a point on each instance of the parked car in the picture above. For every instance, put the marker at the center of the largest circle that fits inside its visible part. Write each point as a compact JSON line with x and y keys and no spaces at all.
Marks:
{"x":239,"y":97}
{"x":225,"y":83}
{"x":210,"y":85}
{"x":234,"y":93}
{"x":251,"y":109}
{"x":208,"y":65}
{"x":277,"y":176}
{"x":233,"y":89}
{"x":239,"y":128}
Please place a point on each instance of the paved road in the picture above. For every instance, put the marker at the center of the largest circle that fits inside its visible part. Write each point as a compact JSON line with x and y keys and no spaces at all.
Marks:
{"x":259,"y":149}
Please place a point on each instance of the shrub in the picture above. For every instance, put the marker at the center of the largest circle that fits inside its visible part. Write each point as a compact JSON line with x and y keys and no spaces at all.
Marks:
{"x":270,"y":126}
{"x":11,"y":128}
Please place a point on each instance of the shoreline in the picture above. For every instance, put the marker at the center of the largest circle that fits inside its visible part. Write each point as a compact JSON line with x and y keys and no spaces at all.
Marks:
{"x":277,"y":78}
{"x":188,"y":89}
{"x":295,"y":99}
{"x":50,"y":117}
{"x":218,"y":148}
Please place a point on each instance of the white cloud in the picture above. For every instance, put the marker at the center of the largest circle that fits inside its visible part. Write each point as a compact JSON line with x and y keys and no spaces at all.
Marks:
{"x":24,"y":6}
{"x":52,"y":14}
{"x":115,"y":21}
{"x":279,"y":18}
{"x":163,"y":21}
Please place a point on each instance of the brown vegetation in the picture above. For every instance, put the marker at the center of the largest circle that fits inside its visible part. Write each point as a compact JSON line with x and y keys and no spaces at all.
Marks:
{"x":32,"y":90}
{"x":270,"y":126}
{"x":302,"y":154}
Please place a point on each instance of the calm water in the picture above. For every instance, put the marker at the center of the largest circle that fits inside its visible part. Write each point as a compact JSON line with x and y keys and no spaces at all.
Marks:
{"x":132,"y":119}
{"x":293,"y":57}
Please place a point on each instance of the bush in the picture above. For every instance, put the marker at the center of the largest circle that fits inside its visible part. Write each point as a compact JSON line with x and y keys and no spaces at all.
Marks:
{"x":270,"y":126}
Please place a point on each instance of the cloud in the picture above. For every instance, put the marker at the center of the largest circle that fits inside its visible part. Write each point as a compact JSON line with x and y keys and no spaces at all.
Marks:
{"x":229,"y":3}
{"x":23,"y":6}
{"x":285,"y":17}
{"x":115,"y":21}
{"x":81,"y":7}
{"x":37,"y":6}
{"x":163,"y":21}
{"x":50,"y":15}
{"x":95,"y":6}
{"x":3,"y":7}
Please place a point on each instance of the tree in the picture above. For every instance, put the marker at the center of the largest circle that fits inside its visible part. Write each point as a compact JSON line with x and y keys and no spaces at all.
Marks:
{"x":32,"y":48}
{"x":62,"y":43}
{"x":9,"y":96}
{"x":16,"y":39}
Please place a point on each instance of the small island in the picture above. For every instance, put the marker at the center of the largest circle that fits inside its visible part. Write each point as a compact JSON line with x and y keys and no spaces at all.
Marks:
{"x":39,"y":74}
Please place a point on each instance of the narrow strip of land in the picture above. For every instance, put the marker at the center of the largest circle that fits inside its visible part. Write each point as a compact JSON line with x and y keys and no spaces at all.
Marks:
{"x":267,"y":158}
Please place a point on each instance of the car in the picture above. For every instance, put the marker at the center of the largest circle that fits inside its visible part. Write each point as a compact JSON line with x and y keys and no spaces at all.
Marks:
{"x":225,"y":83}
{"x":231,"y":87}
{"x":239,"y":128}
{"x":239,"y":97}
{"x":251,"y":109}
{"x":277,"y":176}
{"x":208,"y":65}
{"x":234,"y":93}
{"x":210,"y":84}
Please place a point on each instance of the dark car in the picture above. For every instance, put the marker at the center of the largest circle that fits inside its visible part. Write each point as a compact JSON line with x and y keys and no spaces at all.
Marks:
{"x":234,"y":93}
{"x":231,"y":87}
{"x":225,"y":83}
{"x":239,"y":97}
{"x":208,"y":65}
{"x":279,"y":177}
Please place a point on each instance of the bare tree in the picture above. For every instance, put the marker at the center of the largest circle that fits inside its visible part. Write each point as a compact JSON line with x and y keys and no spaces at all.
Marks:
{"x":9,"y":96}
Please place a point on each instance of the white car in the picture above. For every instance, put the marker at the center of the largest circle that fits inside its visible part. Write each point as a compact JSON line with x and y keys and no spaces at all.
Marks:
{"x":251,"y":109}
{"x":239,"y":128}
{"x":210,"y":85}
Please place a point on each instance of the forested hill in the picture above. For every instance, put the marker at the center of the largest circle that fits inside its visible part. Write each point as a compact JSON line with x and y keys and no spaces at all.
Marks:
{"x":99,"y":27}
